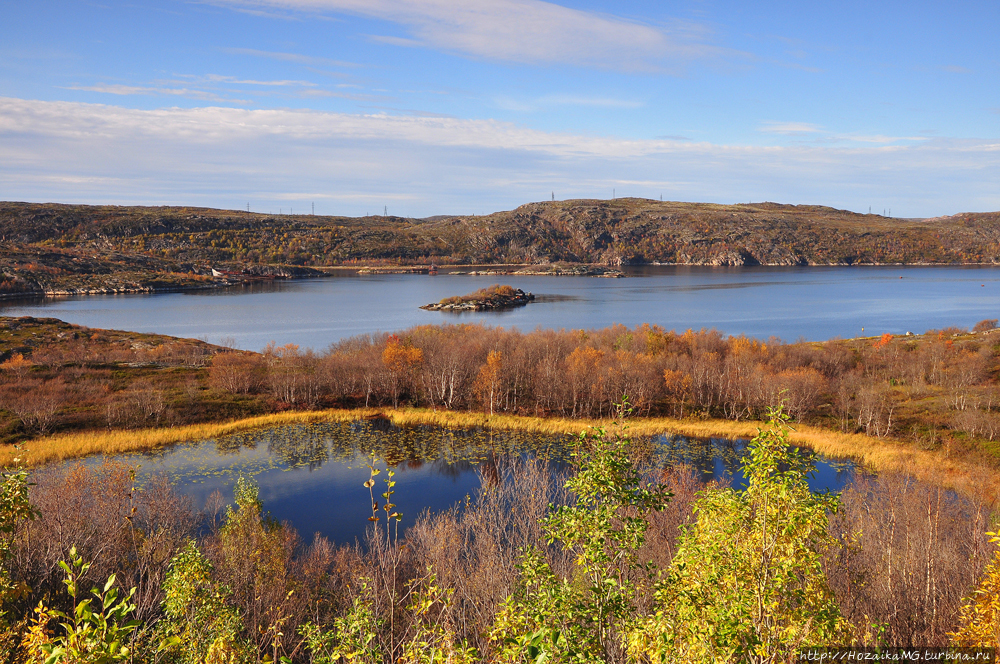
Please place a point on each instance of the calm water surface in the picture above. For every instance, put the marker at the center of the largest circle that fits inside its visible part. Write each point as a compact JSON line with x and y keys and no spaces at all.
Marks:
{"x":817,"y":303}
{"x":312,"y":475}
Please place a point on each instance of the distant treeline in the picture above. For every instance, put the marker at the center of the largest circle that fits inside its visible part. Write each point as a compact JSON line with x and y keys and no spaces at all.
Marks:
{"x":936,"y":388}
{"x":892,"y":385}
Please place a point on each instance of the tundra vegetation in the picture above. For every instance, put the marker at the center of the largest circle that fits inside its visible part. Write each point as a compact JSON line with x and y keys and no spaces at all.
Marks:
{"x":611,"y":561}
{"x":616,"y":562}
{"x":77,"y":248}
{"x":936,"y":391}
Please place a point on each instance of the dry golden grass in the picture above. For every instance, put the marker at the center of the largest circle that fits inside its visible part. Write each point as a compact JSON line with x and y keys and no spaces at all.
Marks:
{"x":880,"y":455}
{"x":74,"y":445}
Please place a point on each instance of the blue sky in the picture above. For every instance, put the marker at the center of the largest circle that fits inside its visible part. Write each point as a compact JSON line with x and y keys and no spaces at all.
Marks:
{"x":447,"y":106}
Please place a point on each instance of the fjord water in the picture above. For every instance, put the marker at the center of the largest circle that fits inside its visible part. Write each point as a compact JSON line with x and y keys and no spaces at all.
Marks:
{"x":816,"y":303}
{"x":312,"y":475}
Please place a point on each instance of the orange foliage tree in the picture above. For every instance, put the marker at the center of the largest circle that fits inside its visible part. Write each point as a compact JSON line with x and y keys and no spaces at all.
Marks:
{"x":678,"y":387}
{"x":586,"y":381}
{"x":489,"y":379}
{"x":401,"y":358}
{"x":16,"y":365}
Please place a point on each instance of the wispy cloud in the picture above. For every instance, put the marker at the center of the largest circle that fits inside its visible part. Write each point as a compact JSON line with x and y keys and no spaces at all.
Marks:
{"x":123,"y":90}
{"x":396,"y":41}
{"x":216,"y":88}
{"x":524,"y":31}
{"x":64,"y":151}
{"x":789,"y":128}
{"x":880,"y":139}
{"x":821,"y":135}
{"x":551,"y":101}
{"x":291,"y":57}
{"x":320,"y":94}
{"x":215,"y":78}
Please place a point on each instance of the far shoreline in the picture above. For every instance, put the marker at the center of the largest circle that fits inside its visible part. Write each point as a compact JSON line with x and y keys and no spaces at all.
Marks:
{"x":461,"y":269}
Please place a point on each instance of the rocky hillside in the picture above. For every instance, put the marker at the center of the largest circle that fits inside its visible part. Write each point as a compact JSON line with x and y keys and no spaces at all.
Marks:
{"x":75,"y":248}
{"x":636,"y":231}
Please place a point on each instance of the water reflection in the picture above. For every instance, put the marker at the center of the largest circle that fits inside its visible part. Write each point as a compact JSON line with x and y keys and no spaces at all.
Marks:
{"x":312,"y":474}
{"x":722,"y":459}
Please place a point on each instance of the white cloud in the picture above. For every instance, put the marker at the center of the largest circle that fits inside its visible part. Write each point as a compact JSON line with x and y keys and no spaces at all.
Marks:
{"x":216,"y":78}
{"x":549,"y":101}
{"x":208,"y":87}
{"x":878,"y":138}
{"x":789,"y":128}
{"x":825,"y":136}
{"x":291,"y":57}
{"x":124,"y":90}
{"x":525,"y":31}
{"x":73,"y":152}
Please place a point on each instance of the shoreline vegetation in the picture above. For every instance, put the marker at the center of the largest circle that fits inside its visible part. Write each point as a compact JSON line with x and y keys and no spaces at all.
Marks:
{"x":491,"y":298}
{"x":924,"y":404}
{"x":653,"y":565}
{"x":937,"y":467}
{"x":896,"y":558}
{"x":62,"y":250}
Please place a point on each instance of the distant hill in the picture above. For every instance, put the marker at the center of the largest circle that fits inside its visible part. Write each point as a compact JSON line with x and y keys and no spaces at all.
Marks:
{"x":45,"y":247}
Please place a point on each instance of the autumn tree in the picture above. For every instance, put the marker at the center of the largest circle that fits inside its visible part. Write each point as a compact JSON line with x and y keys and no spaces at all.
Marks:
{"x":292,"y":375}
{"x":240,"y":373}
{"x":35,"y":402}
{"x":488,"y":381}
{"x":449,"y":362}
{"x":678,"y":387}
{"x":401,"y":360}
{"x":980,"y":618}
{"x":16,"y":365}
{"x":141,"y":404}
{"x":583,"y":616}
{"x":747,"y":583}
{"x":585,"y":379}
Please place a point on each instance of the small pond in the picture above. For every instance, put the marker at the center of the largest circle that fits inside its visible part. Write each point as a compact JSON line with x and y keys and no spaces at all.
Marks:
{"x":312,"y":475}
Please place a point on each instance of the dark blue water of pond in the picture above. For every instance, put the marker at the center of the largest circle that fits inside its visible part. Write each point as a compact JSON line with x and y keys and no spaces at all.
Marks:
{"x":817,"y":303}
{"x":312,"y":475}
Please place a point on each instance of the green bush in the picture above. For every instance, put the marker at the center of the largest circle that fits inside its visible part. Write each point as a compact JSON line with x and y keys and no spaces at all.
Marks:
{"x":198,"y":626}
{"x":747,"y":583}
{"x":582,"y":618}
{"x":95,"y":631}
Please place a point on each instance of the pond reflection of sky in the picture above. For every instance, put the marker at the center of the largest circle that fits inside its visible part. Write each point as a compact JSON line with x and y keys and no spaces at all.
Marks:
{"x":312,"y":475}
{"x":721,"y":459}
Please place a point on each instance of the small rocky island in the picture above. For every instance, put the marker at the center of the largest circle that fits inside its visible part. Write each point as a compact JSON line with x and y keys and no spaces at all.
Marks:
{"x":494,"y":298}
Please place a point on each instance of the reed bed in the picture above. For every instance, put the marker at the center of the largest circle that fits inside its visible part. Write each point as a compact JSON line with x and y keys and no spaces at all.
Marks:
{"x":60,"y":447}
{"x":879,"y":455}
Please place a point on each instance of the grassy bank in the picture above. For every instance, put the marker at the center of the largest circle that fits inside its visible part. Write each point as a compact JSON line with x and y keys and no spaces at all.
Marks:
{"x":880,"y":455}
